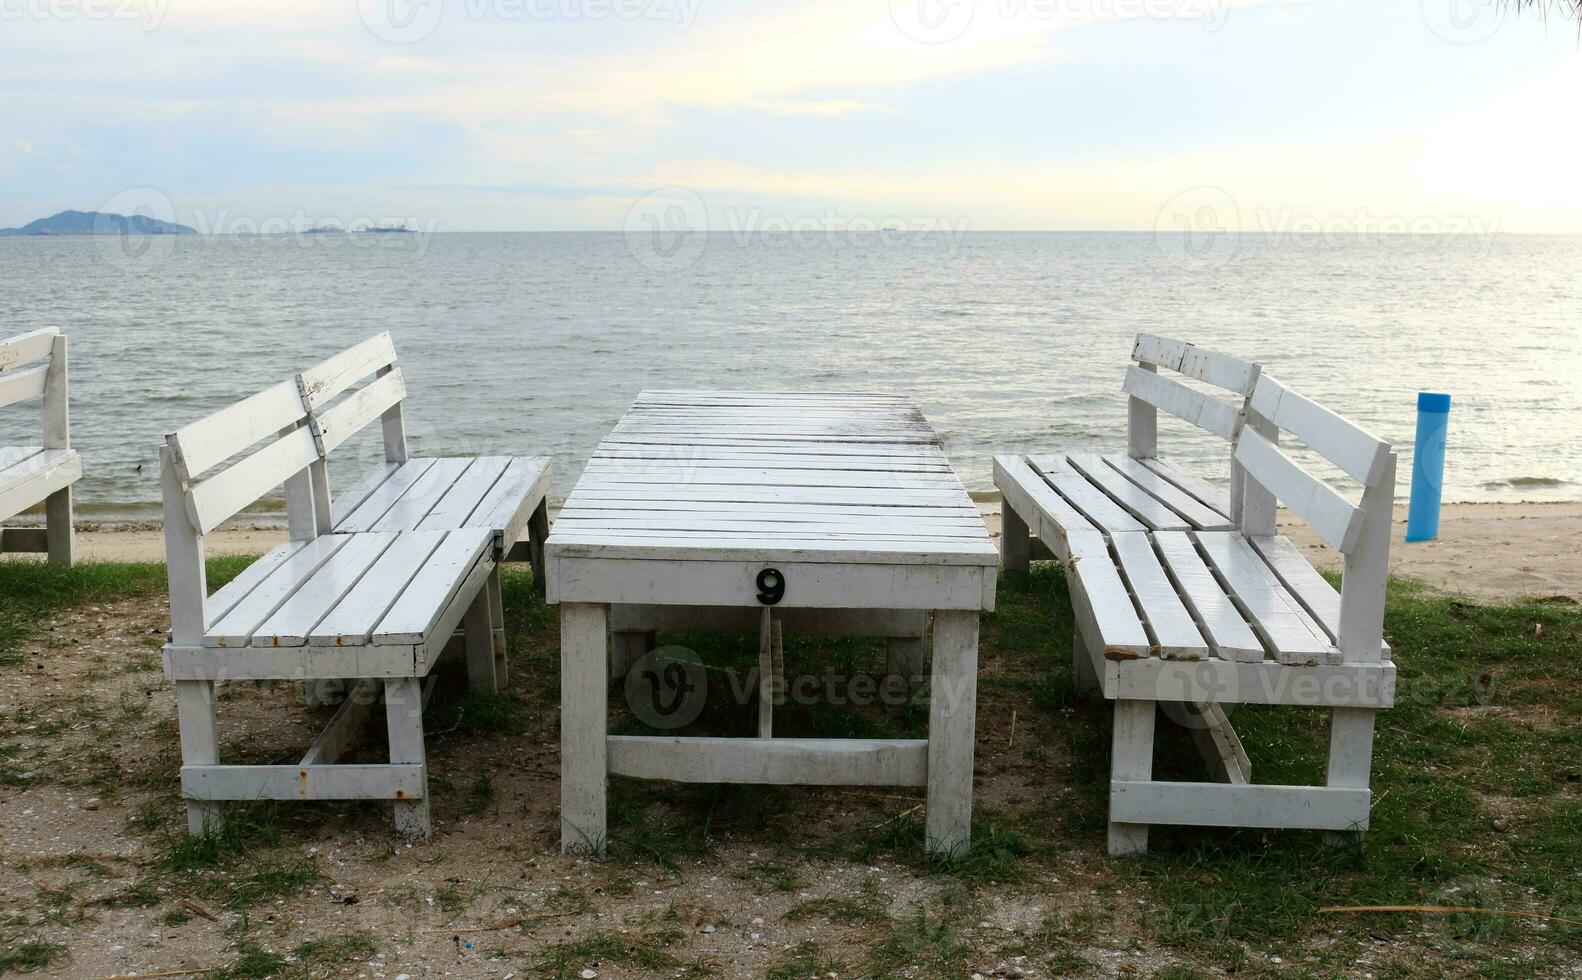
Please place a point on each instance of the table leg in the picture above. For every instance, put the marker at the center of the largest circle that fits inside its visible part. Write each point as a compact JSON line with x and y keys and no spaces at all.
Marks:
{"x":584,"y":768}
{"x":952,"y":726}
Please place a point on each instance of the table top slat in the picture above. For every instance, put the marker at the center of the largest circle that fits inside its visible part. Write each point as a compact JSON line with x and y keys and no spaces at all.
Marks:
{"x":847,"y":477}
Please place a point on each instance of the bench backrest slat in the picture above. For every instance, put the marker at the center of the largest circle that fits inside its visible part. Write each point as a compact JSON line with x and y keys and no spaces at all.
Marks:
{"x":344,"y":419}
{"x":1360,"y":532}
{"x":1182,"y":402}
{"x":222,"y":496}
{"x":1336,"y":519}
{"x":29,"y":347}
{"x":21,"y":380}
{"x":329,"y":378}
{"x":216,"y":438}
{"x":1356,"y":452}
{"x":19,"y":386}
{"x":1221,"y":370}
{"x":1150,"y":391}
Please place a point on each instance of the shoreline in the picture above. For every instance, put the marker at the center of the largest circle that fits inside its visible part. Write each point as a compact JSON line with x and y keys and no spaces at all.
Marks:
{"x":1489,"y":551}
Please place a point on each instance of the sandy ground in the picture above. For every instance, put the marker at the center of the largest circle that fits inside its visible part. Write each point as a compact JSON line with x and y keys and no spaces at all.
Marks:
{"x":1487,"y":551}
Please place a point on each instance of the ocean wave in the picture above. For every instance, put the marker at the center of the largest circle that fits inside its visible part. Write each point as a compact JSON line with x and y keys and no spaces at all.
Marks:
{"x":1527,"y":483}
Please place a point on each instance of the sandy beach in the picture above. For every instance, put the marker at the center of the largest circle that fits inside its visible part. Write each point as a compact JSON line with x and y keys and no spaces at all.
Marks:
{"x":1485,"y":551}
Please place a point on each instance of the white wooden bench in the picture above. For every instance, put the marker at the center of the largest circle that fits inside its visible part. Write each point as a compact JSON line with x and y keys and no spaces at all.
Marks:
{"x":30,"y":475}
{"x":1185,"y":596}
{"x":376,"y":600}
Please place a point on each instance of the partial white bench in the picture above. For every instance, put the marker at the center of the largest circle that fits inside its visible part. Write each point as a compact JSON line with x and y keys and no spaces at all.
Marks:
{"x":30,"y":475}
{"x":377,"y":605}
{"x":1184,"y":595}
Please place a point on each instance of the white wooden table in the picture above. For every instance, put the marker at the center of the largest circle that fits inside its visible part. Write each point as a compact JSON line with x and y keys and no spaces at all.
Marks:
{"x":692,"y":500}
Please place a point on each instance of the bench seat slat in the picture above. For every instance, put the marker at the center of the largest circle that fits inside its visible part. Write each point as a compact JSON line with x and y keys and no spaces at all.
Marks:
{"x":1142,"y":505}
{"x":469,"y":489}
{"x":237,"y":626}
{"x":1215,"y":498}
{"x":421,"y":497}
{"x":1106,"y":616}
{"x":36,"y":476}
{"x":352,"y":621}
{"x":1279,"y":619}
{"x":348,"y":500}
{"x":1084,"y":496}
{"x":1228,"y":633}
{"x":378,"y":502}
{"x":1315,"y":593}
{"x":425,"y":599}
{"x":291,"y":623}
{"x":238,"y":588}
{"x":1044,"y":510}
{"x":1198,"y":514}
{"x":1176,"y":636}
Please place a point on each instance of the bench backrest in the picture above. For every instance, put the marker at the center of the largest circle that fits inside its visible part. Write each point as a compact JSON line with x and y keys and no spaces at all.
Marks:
{"x":336,"y":416}
{"x":1151,"y":391}
{"x":22,"y":378}
{"x":1360,"y":531}
{"x":214,"y":468}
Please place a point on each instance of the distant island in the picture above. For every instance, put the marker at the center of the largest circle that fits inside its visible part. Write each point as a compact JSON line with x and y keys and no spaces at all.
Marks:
{"x":367,"y":230}
{"x":97,"y":223}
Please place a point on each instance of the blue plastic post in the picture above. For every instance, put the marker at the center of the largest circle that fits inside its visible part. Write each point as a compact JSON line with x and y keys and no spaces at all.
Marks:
{"x":1428,"y":466}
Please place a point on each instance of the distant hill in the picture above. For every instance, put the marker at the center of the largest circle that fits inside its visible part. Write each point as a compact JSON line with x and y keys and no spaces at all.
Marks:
{"x":97,"y":223}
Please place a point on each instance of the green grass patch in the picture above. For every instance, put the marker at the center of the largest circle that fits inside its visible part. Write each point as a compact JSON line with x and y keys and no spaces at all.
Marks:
{"x":28,"y":955}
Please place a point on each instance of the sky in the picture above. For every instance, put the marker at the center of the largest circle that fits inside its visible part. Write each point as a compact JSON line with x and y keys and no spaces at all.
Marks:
{"x":507,"y":115}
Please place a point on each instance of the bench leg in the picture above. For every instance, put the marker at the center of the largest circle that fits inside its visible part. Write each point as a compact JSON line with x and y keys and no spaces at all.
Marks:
{"x":1082,"y":670}
{"x":952,"y":731}
{"x":584,"y":726}
{"x":404,"y":725}
{"x":537,"y":531}
{"x":200,"y":746}
{"x":479,"y":626}
{"x":502,"y":659}
{"x":628,"y":648}
{"x":1132,"y":758}
{"x":59,"y":536}
{"x":1350,"y":750}
{"x":1016,"y":545}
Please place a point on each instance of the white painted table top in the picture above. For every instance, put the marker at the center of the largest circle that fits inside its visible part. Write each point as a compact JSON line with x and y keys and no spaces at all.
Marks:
{"x":842,"y":477}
